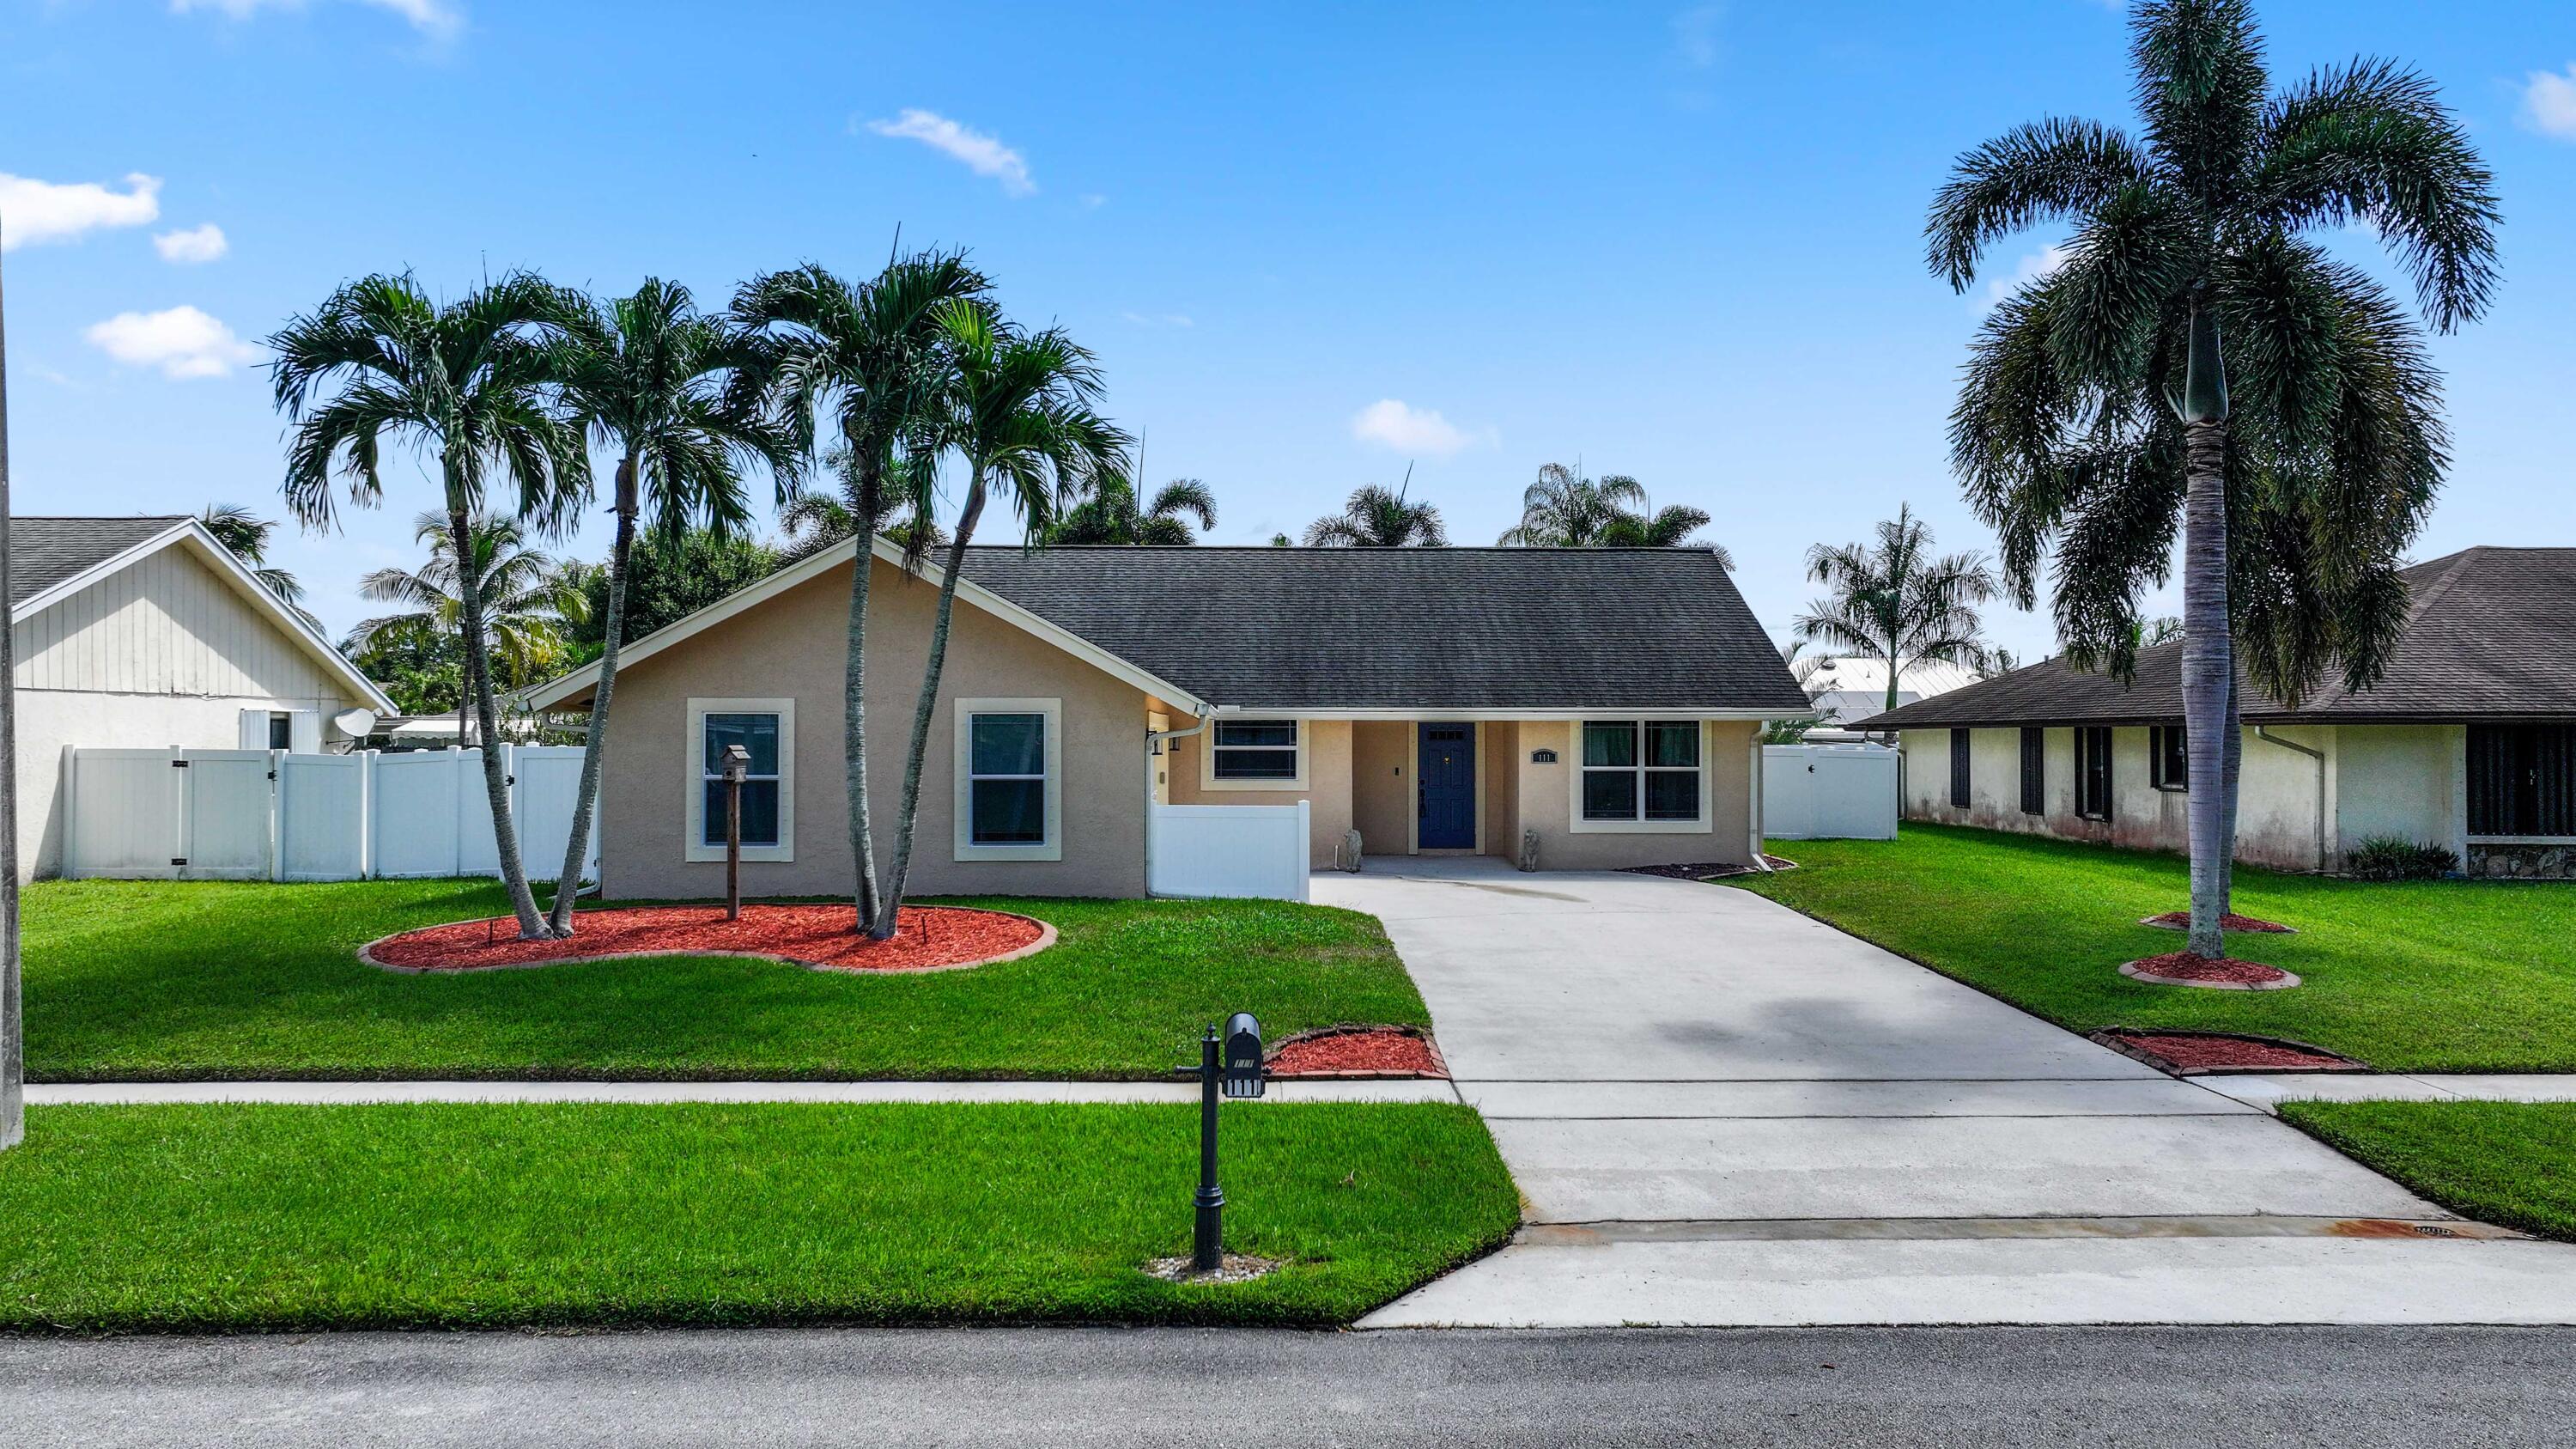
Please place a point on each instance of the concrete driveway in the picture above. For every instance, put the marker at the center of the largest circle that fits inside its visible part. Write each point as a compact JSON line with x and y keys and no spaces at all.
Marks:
{"x":1722,"y":1112}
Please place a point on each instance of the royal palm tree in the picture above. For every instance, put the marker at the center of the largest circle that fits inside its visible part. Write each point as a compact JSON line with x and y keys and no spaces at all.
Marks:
{"x":1022,"y":418}
{"x":1378,"y":517}
{"x":472,"y":384}
{"x":643,"y":376}
{"x":872,"y":356}
{"x":1112,"y":515}
{"x":244,"y":535}
{"x":529,"y":599}
{"x":1898,"y":602}
{"x":2200,"y":359}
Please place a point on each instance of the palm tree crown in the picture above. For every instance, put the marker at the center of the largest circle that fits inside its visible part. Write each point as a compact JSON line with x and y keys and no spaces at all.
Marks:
{"x":245,"y":535}
{"x":1898,"y":601}
{"x":817,"y":518}
{"x":1112,"y":515}
{"x":2068,"y":431}
{"x":530,"y":599}
{"x":1563,"y":509}
{"x":1376,"y":517}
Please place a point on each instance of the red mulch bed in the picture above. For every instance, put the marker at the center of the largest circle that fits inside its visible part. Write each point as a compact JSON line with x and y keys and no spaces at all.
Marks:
{"x":1365,"y":1051}
{"x":2181,"y":921}
{"x":2205,"y":1051}
{"x":2227,"y":970}
{"x":927,"y":938}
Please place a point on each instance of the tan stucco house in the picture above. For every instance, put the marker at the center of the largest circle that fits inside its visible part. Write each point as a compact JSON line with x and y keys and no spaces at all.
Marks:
{"x":146,"y":633}
{"x":2468,"y":742}
{"x":1601,"y":701}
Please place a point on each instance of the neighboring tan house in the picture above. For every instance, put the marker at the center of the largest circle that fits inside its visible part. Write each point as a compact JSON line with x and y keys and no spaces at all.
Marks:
{"x":1448,"y":699}
{"x":2468,"y":742}
{"x":146,"y":633}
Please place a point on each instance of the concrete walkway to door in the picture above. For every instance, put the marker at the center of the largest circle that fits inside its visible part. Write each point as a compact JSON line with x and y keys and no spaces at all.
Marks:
{"x":1722,"y":1112}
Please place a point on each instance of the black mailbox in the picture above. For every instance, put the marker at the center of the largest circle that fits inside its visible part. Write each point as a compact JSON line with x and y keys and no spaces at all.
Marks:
{"x":1243,"y":1076}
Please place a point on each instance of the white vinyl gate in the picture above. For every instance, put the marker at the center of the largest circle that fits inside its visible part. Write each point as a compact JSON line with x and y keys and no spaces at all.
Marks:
{"x":276,"y":815}
{"x":1828,"y":792}
{"x":1206,"y":851}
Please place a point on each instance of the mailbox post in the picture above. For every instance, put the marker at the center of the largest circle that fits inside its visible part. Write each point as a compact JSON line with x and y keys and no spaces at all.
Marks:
{"x":1229,"y":1066}
{"x":737,"y":763}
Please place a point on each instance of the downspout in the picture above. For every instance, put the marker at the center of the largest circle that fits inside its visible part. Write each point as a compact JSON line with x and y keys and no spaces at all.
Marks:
{"x":1153,"y":749}
{"x":2264,"y":733}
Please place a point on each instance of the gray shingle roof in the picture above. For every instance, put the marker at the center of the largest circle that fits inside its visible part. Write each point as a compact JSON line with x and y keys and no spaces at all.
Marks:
{"x":1435,"y":628}
{"x":45,"y":551}
{"x":2488,"y":640}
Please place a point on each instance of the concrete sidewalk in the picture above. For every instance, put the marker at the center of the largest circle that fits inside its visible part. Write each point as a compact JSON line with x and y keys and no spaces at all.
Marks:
{"x":1721,"y":1112}
{"x":55,"y":1094}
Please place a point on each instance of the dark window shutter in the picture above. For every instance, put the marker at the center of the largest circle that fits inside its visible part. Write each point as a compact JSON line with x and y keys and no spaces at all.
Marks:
{"x":2034,"y":771}
{"x":1959,"y":769}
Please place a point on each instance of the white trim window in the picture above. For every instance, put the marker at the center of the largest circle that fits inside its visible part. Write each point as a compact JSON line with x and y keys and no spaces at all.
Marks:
{"x":1254,"y":754}
{"x":1641,"y":776}
{"x":1010,"y":779}
{"x":766,"y":728}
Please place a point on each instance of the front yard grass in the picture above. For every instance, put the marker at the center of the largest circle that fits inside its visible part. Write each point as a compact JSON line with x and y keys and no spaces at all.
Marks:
{"x":223,"y":1218}
{"x":2434,"y":976}
{"x":2509,"y":1163}
{"x":213,"y":979}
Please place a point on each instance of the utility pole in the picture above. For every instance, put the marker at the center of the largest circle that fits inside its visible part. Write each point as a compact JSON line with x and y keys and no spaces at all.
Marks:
{"x":13,"y":1021}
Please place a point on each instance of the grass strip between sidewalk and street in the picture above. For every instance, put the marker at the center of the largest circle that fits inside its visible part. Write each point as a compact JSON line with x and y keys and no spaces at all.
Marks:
{"x":163,"y":980}
{"x":2423,"y":976}
{"x":2508,"y":1163}
{"x":223,"y":1218}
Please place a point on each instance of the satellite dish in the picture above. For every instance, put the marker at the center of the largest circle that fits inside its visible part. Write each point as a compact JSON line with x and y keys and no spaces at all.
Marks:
{"x":357,"y":724}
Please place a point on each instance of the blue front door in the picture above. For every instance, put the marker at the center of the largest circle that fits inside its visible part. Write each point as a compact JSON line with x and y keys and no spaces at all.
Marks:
{"x":1448,"y":787}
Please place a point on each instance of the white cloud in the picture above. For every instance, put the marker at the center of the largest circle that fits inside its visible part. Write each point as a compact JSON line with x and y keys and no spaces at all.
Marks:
{"x":194,"y":245}
{"x":429,"y":17}
{"x":2042,"y":263}
{"x":1411,"y":430}
{"x":984,"y":155}
{"x":2549,"y":103}
{"x":43,"y":211}
{"x":1695,"y":35}
{"x":183,"y":342}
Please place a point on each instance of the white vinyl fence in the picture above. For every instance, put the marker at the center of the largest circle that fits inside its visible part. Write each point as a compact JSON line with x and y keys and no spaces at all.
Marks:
{"x":1227,"y":850}
{"x":277,"y":815}
{"x":1829,"y":792}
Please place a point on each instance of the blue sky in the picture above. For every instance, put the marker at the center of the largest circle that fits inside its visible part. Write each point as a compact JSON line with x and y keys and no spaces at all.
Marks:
{"x":1311,"y":243}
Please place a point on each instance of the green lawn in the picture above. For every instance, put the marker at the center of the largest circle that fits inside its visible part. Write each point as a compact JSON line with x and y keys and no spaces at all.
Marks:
{"x":274,"y":1217}
{"x":2431,"y":976}
{"x":2511,"y":1163}
{"x":154,"y":979}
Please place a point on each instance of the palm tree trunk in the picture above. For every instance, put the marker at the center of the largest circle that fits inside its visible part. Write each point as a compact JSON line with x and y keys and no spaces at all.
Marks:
{"x":13,"y":1021}
{"x":594,"y":748}
{"x":2208,"y":674}
{"x":890,"y":901}
{"x":2230,"y":772}
{"x":854,"y":723}
{"x":1891,"y":680}
{"x":496,"y":782}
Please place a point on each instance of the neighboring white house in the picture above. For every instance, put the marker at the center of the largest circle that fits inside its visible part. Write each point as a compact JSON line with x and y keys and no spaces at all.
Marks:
{"x":147,"y":633}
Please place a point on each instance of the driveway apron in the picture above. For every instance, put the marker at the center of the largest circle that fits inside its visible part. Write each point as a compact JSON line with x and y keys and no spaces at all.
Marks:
{"x":1722,"y":1112}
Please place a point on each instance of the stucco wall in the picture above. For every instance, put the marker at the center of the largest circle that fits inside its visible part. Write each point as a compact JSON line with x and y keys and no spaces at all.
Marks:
{"x":1499,"y":771}
{"x":2373,"y":779}
{"x":1546,"y":804}
{"x":793,"y":646}
{"x":1327,"y":790}
{"x":1382,"y":784}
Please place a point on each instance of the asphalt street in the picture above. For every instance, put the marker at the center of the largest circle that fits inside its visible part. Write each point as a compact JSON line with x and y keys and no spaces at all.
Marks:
{"x":2384,"y":1387}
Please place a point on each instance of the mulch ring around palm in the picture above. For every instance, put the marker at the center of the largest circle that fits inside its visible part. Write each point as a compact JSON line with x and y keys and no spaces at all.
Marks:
{"x":927,"y":938}
{"x":2202,"y":1053}
{"x":2224,"y":973}
{"x":1358,"y":1051}
{"x":2181,"y":921}
{"x":1709,"y":869}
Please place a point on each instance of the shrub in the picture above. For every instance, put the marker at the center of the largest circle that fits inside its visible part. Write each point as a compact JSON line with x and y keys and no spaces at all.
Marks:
{"x":2391,"y":857}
